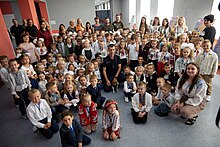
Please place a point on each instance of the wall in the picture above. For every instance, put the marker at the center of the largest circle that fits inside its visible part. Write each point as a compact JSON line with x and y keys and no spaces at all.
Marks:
{"x":192,"y":10}
{"x":116,"y":8}
{"x":16,"y":11}
{"x":63,"y":11}
{"x":125,"y":12}
{"x":153,"y":9}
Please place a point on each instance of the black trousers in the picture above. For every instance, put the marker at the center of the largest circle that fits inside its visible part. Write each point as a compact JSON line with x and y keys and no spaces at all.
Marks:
{"x":23,"y":101}
{"x":48,"y":133}
{"x":137,"y":119}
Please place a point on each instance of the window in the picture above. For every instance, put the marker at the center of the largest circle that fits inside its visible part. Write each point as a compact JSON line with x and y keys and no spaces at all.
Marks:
{"x":165,"y":9}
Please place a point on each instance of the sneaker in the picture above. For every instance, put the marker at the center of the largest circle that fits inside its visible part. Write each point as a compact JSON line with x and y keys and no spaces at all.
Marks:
{"x":116,"y":88}
{"x":126,"y":99}
{"x":35,"y":129}
{"x":208,"y":98}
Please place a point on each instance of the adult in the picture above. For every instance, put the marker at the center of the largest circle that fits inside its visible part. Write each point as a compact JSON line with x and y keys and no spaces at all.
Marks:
{"x":118,"y":24}
{"x":190,"y":94}
{"x":16,"y":31}
{"x":31,"y":29}
{"x":62,"y":29}
{"x":209,"y":32}
{"x":44,"y":33}
{"x":24,"y":23}
{"x":71,"y":28}
{"x":155,"y":26}
{"x":181,"y":26}
{"x":108,"y":26}
{"x":89,"y":28}
{"x":111,"y":68}
{"x":164,"y":28}
{"x":29,"y":48}
{"x":143,"y":28}
{"x":79,"y":26}
{"x":97,"y":26}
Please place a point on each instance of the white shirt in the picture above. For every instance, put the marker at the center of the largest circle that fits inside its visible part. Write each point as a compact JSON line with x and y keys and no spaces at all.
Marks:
{"x":37,"y":112}
{"x":136,"y":103}
{"x":129,"y":90}
{"x":133,"y":54}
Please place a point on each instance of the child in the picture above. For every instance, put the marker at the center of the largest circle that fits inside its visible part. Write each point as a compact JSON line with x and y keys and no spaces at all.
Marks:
{"x":129,"y":87}
{"x":123,"y":53}
{"x":208,"y":61}
{"x":82,"y":61}
{"x":61,"y":67}
{"x":61,"y":46}
{"x":90,"y":70}
{"x":69,"y":46}
{"x":166,"y":101}
{"x":133,"y":53}
{"x":4,"y":70}
{"x":155,"y":98}
{"x":40,"y":68}
{"x":153,"y":53}
{"x":54,"y":49}
{"x":71,"y":59}
{"x":28,"y":68}
{"x":94,"y":89}
{"x":88,"y":51}
{"x":53,"y":98}
{"x":40,"y":115}
{"x":88,"y":114}
{"x":139,"y":74}
{"x":71,"y":95}
{"x":41,"y":48}
{"x":186,"y":57}
{"x":71,"y":132}
{"x":42,"y":82}
{"x":60,"y":81}
{"x":151,"y":78}
{"x":198,"y":46}
{"x":141,"y":104}
{"x":97,"y":71}
{"x":20,"y":84}
{"x":111,"y":120}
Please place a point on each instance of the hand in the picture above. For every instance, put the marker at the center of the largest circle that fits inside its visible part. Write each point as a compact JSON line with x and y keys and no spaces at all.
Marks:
{"x":113,"y":136}
{"x":212,"y":76}
{"x":108,"y":83}
{"x":79,"y":144}
{"x":48,"y":124}
{"x":61,"y":102}
{"x":140,"y":114}
{"x":134,"y":89}
{"x":16,"y":96}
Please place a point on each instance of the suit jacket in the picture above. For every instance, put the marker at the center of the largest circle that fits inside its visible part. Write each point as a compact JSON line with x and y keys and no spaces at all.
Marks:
{"x":94,"y":92}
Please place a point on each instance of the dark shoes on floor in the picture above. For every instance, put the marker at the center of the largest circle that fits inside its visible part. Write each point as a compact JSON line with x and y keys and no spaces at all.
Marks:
{"x":191,"y":121}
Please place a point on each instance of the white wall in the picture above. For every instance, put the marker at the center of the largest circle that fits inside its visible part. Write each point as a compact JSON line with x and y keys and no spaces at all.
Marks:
{"x":62,"y":11}
{"x":192,"y":10}
{"x":16,"y":11}
{"x":125,"y":12}
{"x":116,"y":8}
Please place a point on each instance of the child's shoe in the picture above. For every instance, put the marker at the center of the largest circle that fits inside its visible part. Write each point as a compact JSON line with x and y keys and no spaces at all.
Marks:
{"x":126,"y":99}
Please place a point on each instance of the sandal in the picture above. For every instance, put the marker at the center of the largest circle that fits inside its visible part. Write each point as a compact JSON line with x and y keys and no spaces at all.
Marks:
{"x":191,"y":121}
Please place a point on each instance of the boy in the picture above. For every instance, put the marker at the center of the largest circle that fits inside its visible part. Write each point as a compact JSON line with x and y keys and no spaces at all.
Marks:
{"x":53,"y":98}
{"x":129,"y":87}
{"x":4,"y":70}
{"x":133,"y":53}
{"x":166,"y":100}
{"x":19,"y":86}
{"x":88,"y":114}
{"x":40,"y":114}
{"x":94,"y":89}
{"x":71,"y":132}
{"x":141,"y":104}
{"x":208,"y":61}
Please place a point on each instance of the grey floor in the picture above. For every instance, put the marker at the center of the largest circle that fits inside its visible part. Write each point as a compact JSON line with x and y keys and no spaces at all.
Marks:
{"x":158,"y":132}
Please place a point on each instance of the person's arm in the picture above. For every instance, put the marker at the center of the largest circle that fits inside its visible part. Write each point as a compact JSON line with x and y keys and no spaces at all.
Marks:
{"x":119,"y":70}
{"x":26,"y":79}
{"x":78,"y":128}
{"x":215,"y":66}
{"x":126,"y":87}
{"x":135,"y":102}
{"x":106,"y":77}
{"x":148,"y":100}
{"x":63,"y":137}
{"x":116,"y":121}
{"x":30,"y":114}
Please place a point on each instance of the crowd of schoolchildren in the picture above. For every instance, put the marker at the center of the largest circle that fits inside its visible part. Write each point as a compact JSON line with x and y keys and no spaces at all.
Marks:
{"x":69,"y":74}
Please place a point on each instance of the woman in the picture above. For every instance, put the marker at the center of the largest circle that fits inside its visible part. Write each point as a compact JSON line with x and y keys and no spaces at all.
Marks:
{"x":44,"y":33}
{"x":164,"y":28}
{"x":181,"y":26}
{"x":88,"y":28}
{"x":79,"y":26}
{"x":71,"y":28}
{"x":143,"y":25}
{"x":29,"y":48}
{"x":190,"y":94}
{"x":62,"y":29}
{"x":155,"y":26}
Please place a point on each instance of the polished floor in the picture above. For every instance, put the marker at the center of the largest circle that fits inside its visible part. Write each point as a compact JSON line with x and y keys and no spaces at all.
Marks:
{"x":157,"y":132}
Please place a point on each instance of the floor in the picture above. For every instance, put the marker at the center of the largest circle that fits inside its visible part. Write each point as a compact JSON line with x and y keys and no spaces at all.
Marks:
{"x":158,"y":132}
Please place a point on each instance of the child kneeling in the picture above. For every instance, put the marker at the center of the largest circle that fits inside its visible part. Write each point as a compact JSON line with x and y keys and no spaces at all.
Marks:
{"x":141,"y":104}
{"x":40,"y":115}
{"x":88,"y":114}
{"x":71,"y":132}
{"x":111,"y":121}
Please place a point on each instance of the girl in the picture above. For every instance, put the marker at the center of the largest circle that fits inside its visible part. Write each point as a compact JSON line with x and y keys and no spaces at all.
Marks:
{"x":141,"y":104}
{"x":79,"y":26}
{"x":190,"y":94}
{"x":90,"y":71}
{"x":111,"y":120}
{"x":71,"y":132}
{"x":143,"y":26}
{"x":88,"y":28}
{"x":163,"y":57}
{"x":181,"y":26}
{"x":155,"y":26}
{"x":71,"y":95}
{"x":164,"y":29}
{"x":186,"y":57}
{"x":41,"y":48}
{"x":61,"y":67}
{"x":155,"y":98}
{"x":62,"y":29}
{"x":182,"y":38}
{"x":79,"y":72}
{"x":69,"y":46}
{"x":198,"y":46}
{"x":42,"y":82}
{"x":71,"y":69}
{"x":29,"y":70}
{"x":153,"y":53}
{"x":139,"y":75}
{"x":123,"y":53}
{"x":88,"y":114}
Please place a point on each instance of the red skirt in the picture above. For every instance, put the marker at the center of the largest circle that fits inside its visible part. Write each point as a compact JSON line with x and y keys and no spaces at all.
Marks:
{"x":117,"y":132}
{"x":160,"y":67}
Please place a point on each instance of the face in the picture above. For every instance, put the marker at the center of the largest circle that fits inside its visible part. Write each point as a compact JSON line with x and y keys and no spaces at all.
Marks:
{"x":53,"y":89}
{"x":182,"y":38}
{"x":177,"y":50}
{"x":150,"y":69}
{"x":93,"y":82}
{"x":159,"y":82}
{"x":43,"y":25}
{"x":14,"y":66}
{"x":167,"y":69}
{"x":191,"y":70}
{"x":96,"y":65}
{"x":111,"y":50}
{"x":81,"y":72}
{"x":186,"y":52}
{"x":30,"y":23}
{"x":35,"y":97}
{"x":82,"y":58}
{"x":68,"y":78}
{"x":130,"y":79}
{"x":111,"y":109}
{"x":4,"y":62}
{"x":164,"y":22}
{"x":139,"y":72}
{"x":207,"y":47}
{"x":164,"y":48}
{"x":127,"y":70}
{"x":87,"y":101}
{"x":68,"y":40}
{"x":154,"y":44}
{"x":140,"y":60}
{"x":26,"y":38}
{"x":41,"y":77}
{"x":62,"y":65}
{"x":141,"y":89}
{"x":180,"y":21}
{"x":83,"y":81}
{"x":107,"y":21}
{"x":25,"y":60}
{"x":165,"y":91}
{"x":71,"y":67}
{"x":67,"y":120}
{"x":207,"y":23}
{"x":69,"y":88}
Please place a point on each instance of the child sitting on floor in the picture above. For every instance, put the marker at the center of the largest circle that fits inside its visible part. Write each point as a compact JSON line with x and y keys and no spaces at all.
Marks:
{"x":88,"y":114}
{"x":129,"y":87}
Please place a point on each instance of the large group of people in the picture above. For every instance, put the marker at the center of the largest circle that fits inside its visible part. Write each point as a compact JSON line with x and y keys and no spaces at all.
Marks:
{"x":169,"y":68}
